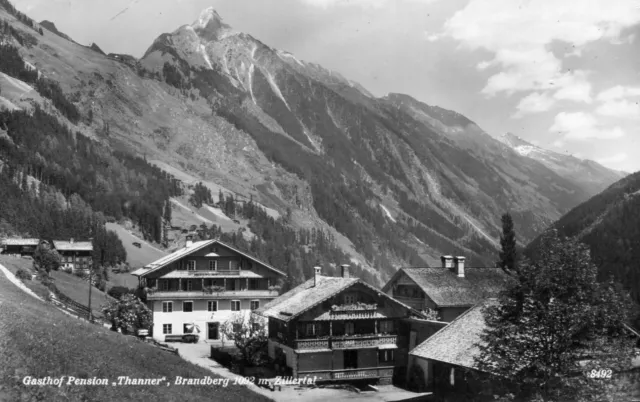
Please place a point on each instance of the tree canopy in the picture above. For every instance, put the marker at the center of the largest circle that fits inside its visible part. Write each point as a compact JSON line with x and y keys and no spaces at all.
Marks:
{"x":556,"y":324}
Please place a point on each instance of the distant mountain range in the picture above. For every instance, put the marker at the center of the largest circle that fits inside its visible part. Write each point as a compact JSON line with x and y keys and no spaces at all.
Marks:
{"x":396,"y":181}
{"x":589,"y":174}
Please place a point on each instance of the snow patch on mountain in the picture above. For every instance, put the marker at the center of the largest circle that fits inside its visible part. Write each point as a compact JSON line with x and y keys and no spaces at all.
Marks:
{"x":251,"y":70}
{"x":386,"y":211}
{"x":290,"y":56}
{"x":276,"y":89}
{"x":203,"y":50}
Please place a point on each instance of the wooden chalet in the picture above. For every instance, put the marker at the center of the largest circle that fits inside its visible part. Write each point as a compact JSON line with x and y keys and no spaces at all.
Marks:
{"x":450,"y":289}
{"x":19,"y":246}
{"x":338,"y":329}
{"x":77,"y":256}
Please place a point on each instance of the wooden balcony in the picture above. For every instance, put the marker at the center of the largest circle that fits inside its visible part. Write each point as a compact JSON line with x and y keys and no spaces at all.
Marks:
{"x":349,"y":374}
{"x":363,"y":342}
{"x":199,"y":294}
{"x":312,"y":344}
{"x":346,"y":342}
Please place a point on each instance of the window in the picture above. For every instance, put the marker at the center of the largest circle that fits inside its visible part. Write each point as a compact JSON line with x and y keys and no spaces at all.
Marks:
{"x":212,"y":305}
{"x":233,"y":265}
{"x":186,"y":329}
{"x":235,"y":305}
{"x":166,"y":329}
{"x":191,"y":265}
{"x":348,"y":328}
{"x":255,"y":304}
{"x":213,"y":265}
{"x":386,"y":327}
{"x":311,"y":329}
{"x":189,"y":285}
{"x":386,"y":356}
{"x":237,"y":328}
{"x":187,"y":306}
{"x":164,"y":284}
{"x":167,"y":307}
{"x":255,"y":327}
{"x":350,"y":299}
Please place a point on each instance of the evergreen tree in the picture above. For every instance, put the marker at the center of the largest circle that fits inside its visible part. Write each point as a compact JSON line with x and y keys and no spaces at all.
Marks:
{"x":556,"y":326}
{"x":508,"y":253}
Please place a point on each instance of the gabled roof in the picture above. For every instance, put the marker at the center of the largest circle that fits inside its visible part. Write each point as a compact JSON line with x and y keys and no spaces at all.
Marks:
{"x":307,"y":295}
{"x":446,"y":289}
{"x":19,"y":242}
{"x":185,"y":251}
{"x":458,"y":342}
{"x":62,"y":245}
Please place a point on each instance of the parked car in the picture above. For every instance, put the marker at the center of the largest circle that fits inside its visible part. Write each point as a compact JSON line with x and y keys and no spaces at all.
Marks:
{"x":137,"y":244}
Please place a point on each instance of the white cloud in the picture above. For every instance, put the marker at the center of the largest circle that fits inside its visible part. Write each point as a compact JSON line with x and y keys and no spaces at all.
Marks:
{"x":618,"y":102}
{"x":613,"y":159}
{"x":360,"y":3}
{"x":577,"y":126}
{"x":619,"y":108}
{"x":536,"y":102}
{"x":519,"y":34}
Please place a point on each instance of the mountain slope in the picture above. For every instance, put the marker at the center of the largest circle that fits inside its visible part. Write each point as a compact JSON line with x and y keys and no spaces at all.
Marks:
{"x":590,"y":175}
{"x":395,"y":181}
{"x":610,"y":224}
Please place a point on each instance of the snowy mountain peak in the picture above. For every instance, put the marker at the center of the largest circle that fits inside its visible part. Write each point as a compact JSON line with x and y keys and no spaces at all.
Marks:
{"x":210,"y":25}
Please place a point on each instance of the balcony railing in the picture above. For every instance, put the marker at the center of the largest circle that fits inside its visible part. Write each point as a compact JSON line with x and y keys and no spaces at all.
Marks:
{"x":349,"y":374}
{"x":347,"y":342}
{"x":363,"y":342}
{"x":175,"y":293}
{"x":211,"y":273}
{"x":413,"y":302}
{"x":312,"y":344}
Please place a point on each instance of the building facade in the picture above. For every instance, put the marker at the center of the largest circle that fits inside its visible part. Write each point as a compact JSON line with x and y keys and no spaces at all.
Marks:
{"x":205,"y":284}
{"x":19,"y":246}
{"x":338,"y":329}
{"x":450,"y":290}
{"x":76,"y":255}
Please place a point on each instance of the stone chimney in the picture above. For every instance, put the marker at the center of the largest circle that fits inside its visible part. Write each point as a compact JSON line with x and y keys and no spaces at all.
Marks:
{"x":345,"y":271}
{"x":459,"y":266}
{"x":189,"y":241}
{"x":317,"y":272}
{"x":447,"y":261}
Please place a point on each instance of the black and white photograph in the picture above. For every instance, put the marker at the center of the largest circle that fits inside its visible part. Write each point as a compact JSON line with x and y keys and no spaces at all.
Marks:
{"x":320,"y":200}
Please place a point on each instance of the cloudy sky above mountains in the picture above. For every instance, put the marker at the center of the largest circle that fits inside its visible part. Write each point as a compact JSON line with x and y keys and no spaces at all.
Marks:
{"x":564,"y":75}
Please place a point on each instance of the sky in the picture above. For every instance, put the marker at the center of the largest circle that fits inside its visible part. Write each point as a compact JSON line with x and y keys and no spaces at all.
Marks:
{"x":563,"y":75}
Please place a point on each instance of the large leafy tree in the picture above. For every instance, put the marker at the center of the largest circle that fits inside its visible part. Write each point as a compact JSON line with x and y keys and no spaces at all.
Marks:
{"x":508,"y":252}
{"x":556,"y":325}
{"x":249,"y":334}
{"x":46,"y":258}
{"x":128,"y":313}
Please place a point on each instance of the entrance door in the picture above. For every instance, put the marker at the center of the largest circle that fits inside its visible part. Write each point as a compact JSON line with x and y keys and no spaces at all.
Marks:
{"x":350,"y":359}
{"x":212,"y":331}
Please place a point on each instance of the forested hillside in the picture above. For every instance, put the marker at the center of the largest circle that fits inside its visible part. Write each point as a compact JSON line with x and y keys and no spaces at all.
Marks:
{"x":610,"y":224}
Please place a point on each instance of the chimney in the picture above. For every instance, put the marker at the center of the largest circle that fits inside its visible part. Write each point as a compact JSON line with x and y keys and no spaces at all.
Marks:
{"x":317,"y":270}
{"x":345,"y":271}
{"x":189,"y":240}
{"x":71,"y":240}
{"x":447,"y":261}
{"x":459,"y":266}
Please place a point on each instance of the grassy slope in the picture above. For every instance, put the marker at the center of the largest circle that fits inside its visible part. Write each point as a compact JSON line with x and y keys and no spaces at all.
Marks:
{"x":14,"y":264}
{"x":78,"y":290}
{"x":37,"y":340}
{"x":136,"y":257}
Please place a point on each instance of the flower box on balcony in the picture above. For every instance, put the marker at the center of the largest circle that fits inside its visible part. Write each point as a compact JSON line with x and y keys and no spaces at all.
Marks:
{"x":354,"y":307}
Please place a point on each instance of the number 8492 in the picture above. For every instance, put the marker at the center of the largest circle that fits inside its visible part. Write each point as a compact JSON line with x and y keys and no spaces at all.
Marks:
{"x":602,"y":373}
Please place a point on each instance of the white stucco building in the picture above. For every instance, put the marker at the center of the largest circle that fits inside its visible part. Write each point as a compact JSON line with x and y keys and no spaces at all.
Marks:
{"x":205,"y":283}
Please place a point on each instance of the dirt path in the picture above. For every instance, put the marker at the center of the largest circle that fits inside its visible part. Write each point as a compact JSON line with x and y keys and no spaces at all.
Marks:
{"x":199,"y":354}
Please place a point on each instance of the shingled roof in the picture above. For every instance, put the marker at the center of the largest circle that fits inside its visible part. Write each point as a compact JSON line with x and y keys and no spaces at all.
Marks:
{"x":308,"y":295}
{"x":62,"y":245}
{"x":446,"y":289}
{"x":19,"y":242}
{"x":459,"y":342}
